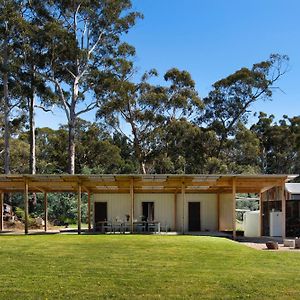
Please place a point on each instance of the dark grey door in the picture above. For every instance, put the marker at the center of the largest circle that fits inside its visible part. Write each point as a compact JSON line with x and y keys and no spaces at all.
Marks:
{"x":100,"y":211}
{"x":148,"y":211}
{"x":194,"y":216}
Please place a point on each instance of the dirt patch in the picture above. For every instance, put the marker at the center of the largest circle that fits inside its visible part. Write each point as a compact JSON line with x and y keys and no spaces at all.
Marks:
{"x":262,"y":246}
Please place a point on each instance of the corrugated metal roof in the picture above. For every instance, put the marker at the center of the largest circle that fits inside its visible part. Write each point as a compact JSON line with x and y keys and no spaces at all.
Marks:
{"x":293,"y":188}
{"x":122,"y":183}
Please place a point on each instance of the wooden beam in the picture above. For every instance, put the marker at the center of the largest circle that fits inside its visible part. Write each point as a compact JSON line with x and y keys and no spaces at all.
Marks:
{"x":260,"y":215}
{"x":283,"y":209}
{"x":89,"y":212}
{"x":1,"y":212}
{"x":218,"y":211}
{"x":26,"y":205}
{"x":132,"y":203}
{"x":79,"y":208}
{"x":84,"y":188}
{"x":183,"y":206}
{"x":46,"y":210}
{"x":233,"y":208}
{"x":175,"y":211}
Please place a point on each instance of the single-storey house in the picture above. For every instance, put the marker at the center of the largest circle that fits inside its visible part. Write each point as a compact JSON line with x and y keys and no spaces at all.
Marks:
{"x":181,"y":203}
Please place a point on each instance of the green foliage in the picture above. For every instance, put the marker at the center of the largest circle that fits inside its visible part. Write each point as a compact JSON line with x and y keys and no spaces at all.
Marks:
{"x":20,"y":213}
{"x":279,"y":148}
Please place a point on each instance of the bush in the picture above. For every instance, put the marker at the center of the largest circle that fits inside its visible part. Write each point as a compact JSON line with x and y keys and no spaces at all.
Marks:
{"x":20,"y":213}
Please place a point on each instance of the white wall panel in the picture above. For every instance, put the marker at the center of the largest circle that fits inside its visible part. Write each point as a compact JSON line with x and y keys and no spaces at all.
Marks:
{"x":208,"y":209}
{"x":118,"y":205}
{"x":163,"y":207}
{"x":225,"y":212}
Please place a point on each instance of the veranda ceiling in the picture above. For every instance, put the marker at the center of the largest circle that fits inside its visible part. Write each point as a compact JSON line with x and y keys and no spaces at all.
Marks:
{"x":164,"y":183}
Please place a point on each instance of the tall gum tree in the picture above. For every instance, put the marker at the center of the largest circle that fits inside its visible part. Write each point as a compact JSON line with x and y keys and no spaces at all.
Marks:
{"x":82,"y":38}
{"x":231,"y":98}
{"x":11,"y":22}
{"x":147,"y":108}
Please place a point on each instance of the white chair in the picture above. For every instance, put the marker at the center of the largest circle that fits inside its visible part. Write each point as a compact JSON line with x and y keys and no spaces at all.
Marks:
{"x":126,"y":227}
{"x":164,"y":228}
{"x":117,"y":227}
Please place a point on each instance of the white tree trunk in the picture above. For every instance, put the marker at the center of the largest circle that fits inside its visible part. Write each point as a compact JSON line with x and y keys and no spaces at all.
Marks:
{"x":6,"y":111}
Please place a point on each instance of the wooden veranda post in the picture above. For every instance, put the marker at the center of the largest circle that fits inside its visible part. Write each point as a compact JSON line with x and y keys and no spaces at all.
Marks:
{"x":89,"y":211}
{"x":1,"y":211}
{"x":175,"y":211}
{"x":79,"y":208}
{"x":283,"y":209}
{"x":218,"y":210}
{"x":132,"y":203}
{"x":233,"y":208}
{"x":260,"y":214}
{"x":46,"y":210}
{"x":26,"y":205}
{"x":183,"y":205}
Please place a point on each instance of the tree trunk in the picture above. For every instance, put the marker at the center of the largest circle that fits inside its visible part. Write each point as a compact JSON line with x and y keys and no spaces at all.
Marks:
{"x":72,"y":124}
{"x":32,"y":159}
{"x":6,"y":110}
{"x":71,"y":148}
{"x":139,"y":156}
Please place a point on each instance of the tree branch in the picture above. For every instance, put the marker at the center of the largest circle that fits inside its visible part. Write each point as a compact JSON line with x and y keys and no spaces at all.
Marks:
{"x":43,"y":108}
{"x":90,"y":107}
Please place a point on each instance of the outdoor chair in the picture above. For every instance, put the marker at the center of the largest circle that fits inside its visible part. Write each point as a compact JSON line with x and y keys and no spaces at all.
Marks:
{"x":154,"y":227}
{"x":126,"y":227}
{"x":140,"y":227}
{"x":107,"y":227}
{"x":164,"y":228}
{"x":117,"y":227}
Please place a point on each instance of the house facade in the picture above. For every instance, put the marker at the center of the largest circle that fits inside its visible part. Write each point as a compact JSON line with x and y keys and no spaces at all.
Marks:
{"x":181,"y":203}
{"x":193,"y":212}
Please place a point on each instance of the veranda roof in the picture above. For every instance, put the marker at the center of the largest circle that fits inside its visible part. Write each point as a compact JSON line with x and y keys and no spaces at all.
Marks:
{"x":293,"y":188}
{"x":153,"y":183}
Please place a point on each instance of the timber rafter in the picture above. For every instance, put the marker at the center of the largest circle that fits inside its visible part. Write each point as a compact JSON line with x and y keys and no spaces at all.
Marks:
{"x":166,"y":183}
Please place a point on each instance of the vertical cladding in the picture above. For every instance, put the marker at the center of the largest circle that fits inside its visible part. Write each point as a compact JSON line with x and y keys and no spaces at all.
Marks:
{"x":208,"y":208}
{"x":163,"y":207}
{"x":118,"y":205}
{"x":225,"y":212}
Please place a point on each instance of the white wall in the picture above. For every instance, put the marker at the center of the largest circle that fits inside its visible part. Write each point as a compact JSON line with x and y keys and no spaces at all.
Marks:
{"x":163,"y":207}
{"x":208,"y":210}
{"x":118,"y":205}
{"x":225,"y":212}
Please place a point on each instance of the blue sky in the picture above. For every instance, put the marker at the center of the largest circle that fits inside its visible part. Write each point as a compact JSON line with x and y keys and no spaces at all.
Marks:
{"x":213,"y":38}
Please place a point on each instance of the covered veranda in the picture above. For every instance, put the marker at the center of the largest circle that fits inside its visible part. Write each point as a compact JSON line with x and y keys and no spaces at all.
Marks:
{"x":135,"y":184}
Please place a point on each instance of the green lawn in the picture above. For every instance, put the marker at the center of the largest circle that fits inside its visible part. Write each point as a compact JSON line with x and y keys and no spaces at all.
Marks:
{"x":143,"y":267}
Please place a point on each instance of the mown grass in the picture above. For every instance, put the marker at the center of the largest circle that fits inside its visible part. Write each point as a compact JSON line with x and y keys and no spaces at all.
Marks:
{"x":143,"y":267}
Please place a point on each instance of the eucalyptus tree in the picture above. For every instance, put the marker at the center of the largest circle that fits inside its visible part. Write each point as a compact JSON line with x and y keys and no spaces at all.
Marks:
{"x":11,"y":23}
{"x":279,"y":143}
{"x":35,"y":89}
{"x":147,"y":108}
{"x":231,"y":98}
{"x":82,"y":38}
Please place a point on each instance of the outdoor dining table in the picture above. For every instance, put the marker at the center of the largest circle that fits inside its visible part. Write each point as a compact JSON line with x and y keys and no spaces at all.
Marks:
{"x":109,"y":226}
{"x":147,"y":226}
{"x":122,"y":227}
